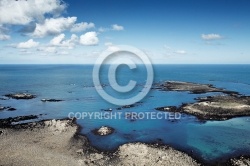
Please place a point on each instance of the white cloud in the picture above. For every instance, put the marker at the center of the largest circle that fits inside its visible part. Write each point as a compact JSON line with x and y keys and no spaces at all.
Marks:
{"x":22,"y":12}
{"x":101,"y":29}
{"x":113,"y":27}
{"x":3,"y":35}
{"x":28,"y":44}
{"x":61,"y":42}
{"x":47,"y":49}
{"x":180,"y":52}
{"x":111,"y":47}
{"x":79,"y":27}
{"x":116,"y":27}
{"x":89,"y":39}
{"x":57,"y":40}
{"x":211,"y":36}
{"x":54,"y":26}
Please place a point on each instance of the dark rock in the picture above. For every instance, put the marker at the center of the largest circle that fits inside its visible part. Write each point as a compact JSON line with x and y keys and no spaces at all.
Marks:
{"x":51,"y":100}
{"x":21,"y":96}
{"x":11,"y":109}
{"x":8,"y":121}
{"x":123,"y":107}
{"x":2,"y":108}
{"x":110,"y":109}
{"x":126,"y":106}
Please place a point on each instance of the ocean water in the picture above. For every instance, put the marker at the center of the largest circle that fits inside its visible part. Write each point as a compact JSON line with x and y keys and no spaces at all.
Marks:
{"x":208,"y":141}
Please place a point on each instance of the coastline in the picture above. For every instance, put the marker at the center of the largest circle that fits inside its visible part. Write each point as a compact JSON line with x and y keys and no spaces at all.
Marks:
{"x":59,"y":142}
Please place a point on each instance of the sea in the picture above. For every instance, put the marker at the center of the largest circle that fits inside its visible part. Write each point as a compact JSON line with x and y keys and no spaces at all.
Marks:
{"x":207,"y":141}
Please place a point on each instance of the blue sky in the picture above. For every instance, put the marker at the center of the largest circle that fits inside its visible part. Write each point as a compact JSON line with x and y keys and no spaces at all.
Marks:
{"x":168,"y":31}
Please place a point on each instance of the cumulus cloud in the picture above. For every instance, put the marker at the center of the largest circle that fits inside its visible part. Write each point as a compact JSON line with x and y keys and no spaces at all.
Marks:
{"x":28,"y":44}
{"x":22,"y":12}
{"x":79,"y":27}
{"x":61,"y":42}
{"x":211,"y":36}
{"x":57,"y":40}
{"x":116,"y":27}
{"x":89,"y":39}
{"x":53,"y":26}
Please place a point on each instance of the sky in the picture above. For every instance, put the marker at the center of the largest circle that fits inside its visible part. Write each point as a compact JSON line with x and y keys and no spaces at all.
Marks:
{"x":168,"y":31}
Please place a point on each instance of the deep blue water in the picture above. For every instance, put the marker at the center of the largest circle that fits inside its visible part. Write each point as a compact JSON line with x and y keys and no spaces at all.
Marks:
{"x":211,"y":140}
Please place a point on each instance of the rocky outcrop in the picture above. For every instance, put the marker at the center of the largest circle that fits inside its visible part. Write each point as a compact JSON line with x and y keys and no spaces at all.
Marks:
{"x":7,"y":108}
{"x":142,"y":154}
{"x":21,"y":96}
{"x":2,"y":108}
{"x":8,"y":121}
{"x":103,"y":131}
{"x":51,"y":100}
{"x":11,"y":109}
{"x":241,"y":161}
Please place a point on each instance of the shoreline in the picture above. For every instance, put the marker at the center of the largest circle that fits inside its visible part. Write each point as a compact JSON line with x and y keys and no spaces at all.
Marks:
{"x":58,"y":142}
{"x":62,"y":139}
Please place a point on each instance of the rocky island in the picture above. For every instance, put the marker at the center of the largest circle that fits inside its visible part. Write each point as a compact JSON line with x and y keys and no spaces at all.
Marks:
{"x":219,"y":107}
{"x":214,"y":107}
{"x":192,"y":87}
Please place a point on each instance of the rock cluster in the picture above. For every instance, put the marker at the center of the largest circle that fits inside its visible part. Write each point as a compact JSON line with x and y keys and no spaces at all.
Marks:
{"x":20,"y":96}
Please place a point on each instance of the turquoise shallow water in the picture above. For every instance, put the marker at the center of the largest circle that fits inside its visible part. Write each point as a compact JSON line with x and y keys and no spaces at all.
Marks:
{"x":209,"y":141}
